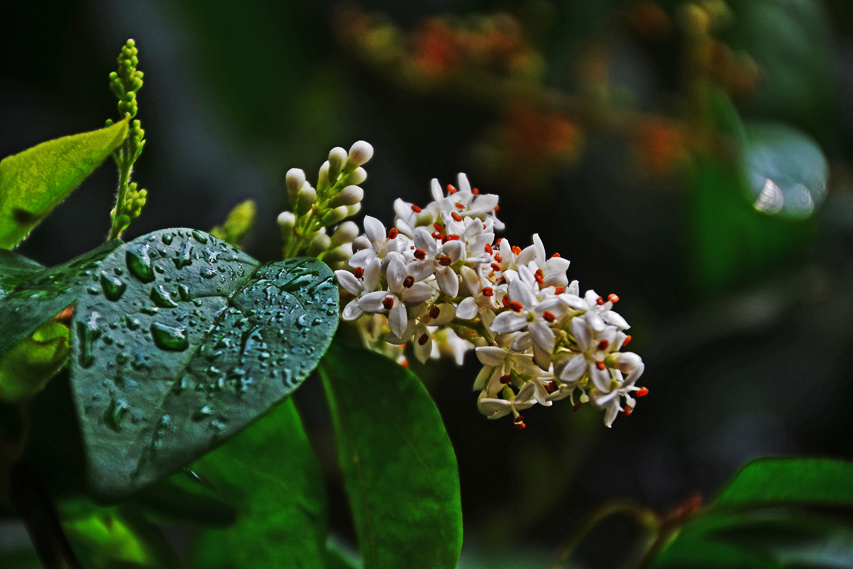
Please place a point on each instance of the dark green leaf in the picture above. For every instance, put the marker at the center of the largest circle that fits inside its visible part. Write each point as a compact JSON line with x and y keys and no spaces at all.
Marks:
{"x":182,"y":343}
{"x":791,"y":481}
{"x":14,"y":269}
{"x":45,"y":294}
{"x":272,"y":476}
{"x":184,"y":496}
{"x":35,"y":181}
{"x":399,"y":468}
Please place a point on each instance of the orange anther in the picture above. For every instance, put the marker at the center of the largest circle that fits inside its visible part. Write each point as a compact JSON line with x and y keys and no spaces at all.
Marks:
{"x":392,"y":233}
{"x":642,"y":392}
{"x":358,"y":272}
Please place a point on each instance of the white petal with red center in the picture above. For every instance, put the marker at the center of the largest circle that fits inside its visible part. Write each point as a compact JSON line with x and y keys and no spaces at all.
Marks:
{"x":347,"y":280}
{"x":519,"y":291}
{"x":446,"y":313}
{"x":373,"y":301}
{"x":454,"y":249}
{"x":508,"y":322}
{"x":420,"y":270}
{"x":362,"y":258}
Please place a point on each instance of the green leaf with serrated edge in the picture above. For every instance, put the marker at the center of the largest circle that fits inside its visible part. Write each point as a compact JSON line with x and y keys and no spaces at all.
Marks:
{"x":27,"y":367}
{"x":791,"y":481}
{"x":45,"y":294}
{"x":184,"y":496}
{"x":272,"y":476}
{"x":14,"y":269}
{"x":398,"y":464}
{"x":182,"y":343}
{"x":35,"y":181}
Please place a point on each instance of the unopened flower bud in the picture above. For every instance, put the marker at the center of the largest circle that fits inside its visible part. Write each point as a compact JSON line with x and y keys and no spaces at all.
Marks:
{"x":360,"y":153}
{"x":334,"y":216}
{"x":294,"y":180}
{"x":353,"y":209}
{"x":337,"y":159}
{"x":345,"y":233}
{"x":350,"y":195}
{"x":286,"y":222}
{"x":305,"y":200}
{"x":339,"y":254}
{"x":357,"y":176}
{"x":319,"y":243}
{"x":323,"y":178}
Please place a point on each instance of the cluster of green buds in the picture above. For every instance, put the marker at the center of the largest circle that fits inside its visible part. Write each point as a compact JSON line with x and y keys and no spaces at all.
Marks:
{"x":125,"y":83}
{"x":306,"y":229}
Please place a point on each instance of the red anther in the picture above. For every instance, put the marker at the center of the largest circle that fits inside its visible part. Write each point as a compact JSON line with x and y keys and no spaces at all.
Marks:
{"x":65,"y":316}
{"x":475,"y":191}
{"x":555,"y":255}
{"x":642,"y":392}
{"x":456,"y":216}
{"x":600,"y":365}
{"x":626,"y":340}
{"x":453,"y":237}
{"x":548,"y":316}
{"x":489,"y":249}
{"x":495,"y":266}
{"x":613,"y":298}
{"x":459,"y":206}
{"x":435,"y":235}
{"x":516,"y":250}
{"x":416,"y":209}
{"x":388,"y":302}
{"x":516,"y":306}
{"x":443,"y":239}
{"x":600,"y":301}
{"x":501,"y":280}
{"x":505,"y":301}
{"x":409,"y":281}
{"x":484,"y":226}
{"x":488,"y":291}
{"x":520,"y":425}
{"x":576,"y":406}
{"x":498,"y":258}
{"x":627,"y":410}
{"x":497,"y":207}
{"x":539,"y":276}
{"x":438,"y":227}
{"x":603,"y":345}
{"x":420,"y":254}
{"x":550,"y":386}
{"x":519,"y":419}
{"x":392,"y":233}
{"x":358,"y":272}
{"x":559,"y":290}
{"x":434,"y":312}
{"x":404,"y":363}
{"x":451,"y":189}
{"x":445,"y":261}
{"x":506,"y":379}
{"x":423,"y":339}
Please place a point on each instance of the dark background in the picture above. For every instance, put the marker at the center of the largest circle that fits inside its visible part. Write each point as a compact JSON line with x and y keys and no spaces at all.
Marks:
{"x":750,"y":357}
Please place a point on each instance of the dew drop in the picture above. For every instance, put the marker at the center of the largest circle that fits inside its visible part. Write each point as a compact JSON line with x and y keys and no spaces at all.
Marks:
{"x":139,"y":263}
{"x":115,"y":414}
{"x":199,"y":236}
{"x":203,"y":413}
{"x":87,"y":333}
{"x":184,"y":256}
{"x":172,"y":338}
{"x":131,"y":322}
{"x":113,"y":287}
{"x":162,"y":298}
{"x":167,"y":238}
{"x":184,"y":292}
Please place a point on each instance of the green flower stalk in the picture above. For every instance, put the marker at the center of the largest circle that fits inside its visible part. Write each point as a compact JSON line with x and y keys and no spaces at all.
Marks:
{"x":125,"y":83}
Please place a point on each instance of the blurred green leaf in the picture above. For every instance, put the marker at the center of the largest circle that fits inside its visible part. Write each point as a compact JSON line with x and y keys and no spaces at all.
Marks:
{"x":399,"y":469}
{"x":272,"y":476}
{"x":109,"y":538}
{"x":35,"y":181}
{"x":26,"y":368}
{"x":338,"y":558}
{"x":791,"y":481}
{"x":195,"y":342}
{"x":184,"y":496}
{"x":14,"y":269}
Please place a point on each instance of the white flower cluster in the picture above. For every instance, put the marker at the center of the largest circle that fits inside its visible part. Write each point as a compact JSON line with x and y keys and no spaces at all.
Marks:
{"x":446,"y":286}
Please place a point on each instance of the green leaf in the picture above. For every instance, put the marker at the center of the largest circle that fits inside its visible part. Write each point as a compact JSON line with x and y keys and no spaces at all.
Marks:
{"x":14,"y":269}
{"x":791,"y":481}
{"x":35,"y":181}
{"x":398,"y":464}
{"x":26,"y":368}
{"x":111,"y":538}
{"x":34,"y":301}
{"x":182,"y":341}
{"x":273,"y":478}
{"x":184,"y":496}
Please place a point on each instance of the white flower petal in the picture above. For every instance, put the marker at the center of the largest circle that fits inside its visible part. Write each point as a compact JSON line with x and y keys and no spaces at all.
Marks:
{"x":491,"y":355}
{"x":467,"y":309}
{"x":508,"y":322}
{"x":600,"y":377}
{"x":422,"y":351}
{"x":419,"y":292}
{"x":573,"y":369}
{"x":397,"y":318}
{"x":395,"y":272}
{"x":372,"y":301}
{"x":580,"y":330}
{"x":615,"y":319}
{"x":347,"y":280}
{"x":374,"y":229}
{"x":352,"y":311}
{"x":448,"y":281}
{"x":542,"y":335}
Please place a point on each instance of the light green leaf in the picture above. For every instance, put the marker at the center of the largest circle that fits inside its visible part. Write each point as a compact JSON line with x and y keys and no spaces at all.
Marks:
{"x":791,"y":481}
{"x":35,"y":181}
{"x":398,"y":464}
{"x":180,"y":342}
{"x":271,"y":475}
{"x":26,"y":368}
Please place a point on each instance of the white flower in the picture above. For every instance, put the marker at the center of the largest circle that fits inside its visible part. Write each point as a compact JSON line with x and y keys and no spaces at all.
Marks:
{"x":610,"y":399}
{"x":402,"y":289}
{"x":364,"y":279}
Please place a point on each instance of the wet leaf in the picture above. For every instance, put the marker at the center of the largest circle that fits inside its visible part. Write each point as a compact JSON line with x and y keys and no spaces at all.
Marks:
{"x":35,"y":181}
{"x":398,"y":464}
{"x":180,"y":342}
{"x":14,"y":269}
{"x":271,"y":475}
{"x":38,"y":296}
